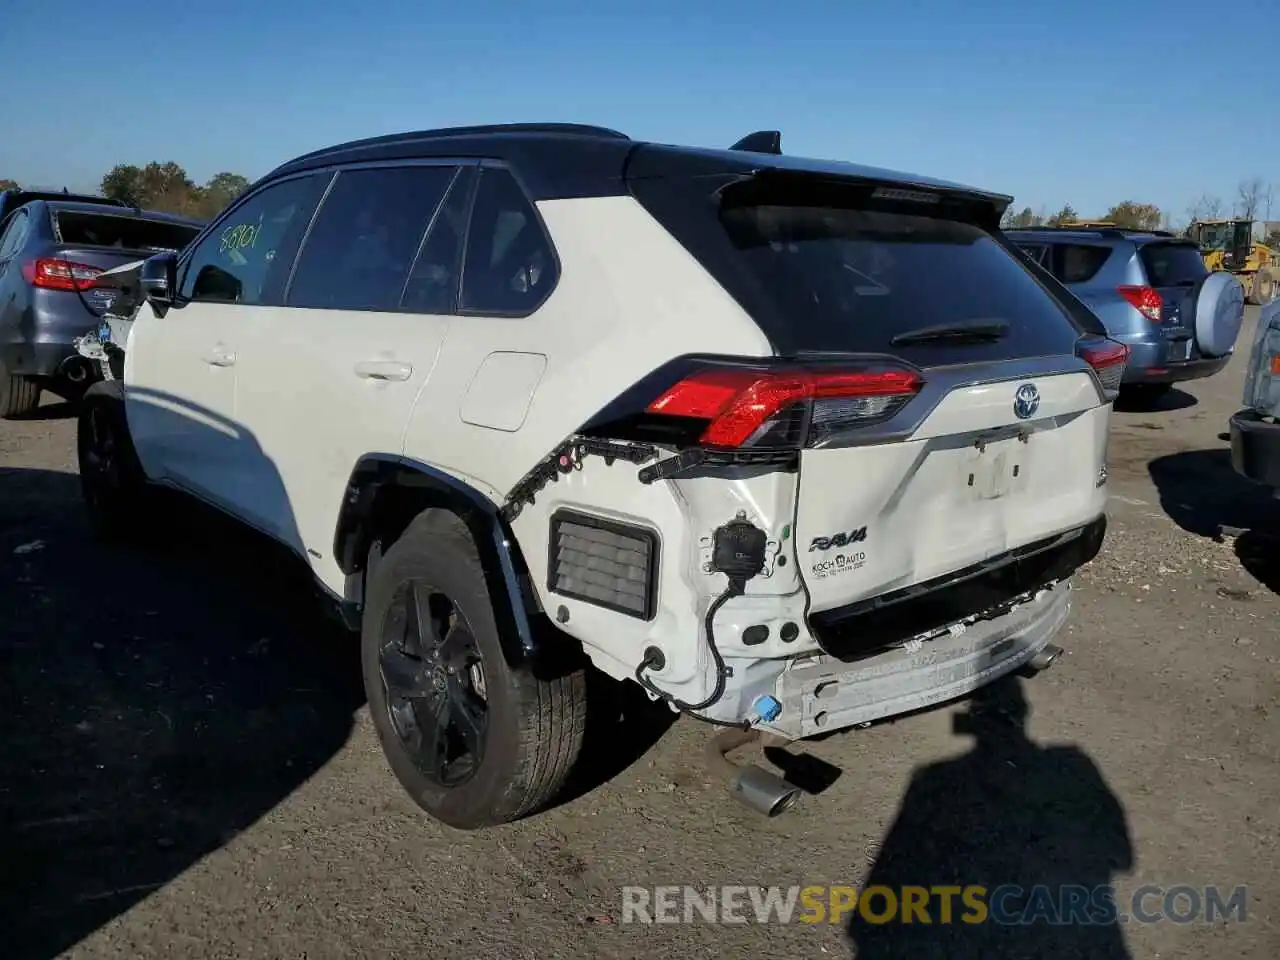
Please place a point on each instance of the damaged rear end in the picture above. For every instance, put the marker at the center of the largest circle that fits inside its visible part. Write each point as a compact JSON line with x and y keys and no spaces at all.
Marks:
{"x":882,"y":514}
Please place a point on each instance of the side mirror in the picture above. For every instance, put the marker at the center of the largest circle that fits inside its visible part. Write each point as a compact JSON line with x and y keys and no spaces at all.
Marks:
{"x":157,"y":279}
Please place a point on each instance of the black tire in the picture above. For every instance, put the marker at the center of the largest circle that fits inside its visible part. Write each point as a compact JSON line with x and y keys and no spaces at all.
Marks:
{"x":18,"y":395}
{"x":112,"y":481}
{"x":530,"y":730}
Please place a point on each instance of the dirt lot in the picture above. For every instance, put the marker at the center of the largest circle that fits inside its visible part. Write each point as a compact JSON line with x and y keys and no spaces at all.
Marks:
{"x":188,"y":767}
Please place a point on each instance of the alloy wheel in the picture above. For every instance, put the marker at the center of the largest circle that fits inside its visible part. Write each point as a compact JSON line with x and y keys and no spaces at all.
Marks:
{"x":433,"y":678}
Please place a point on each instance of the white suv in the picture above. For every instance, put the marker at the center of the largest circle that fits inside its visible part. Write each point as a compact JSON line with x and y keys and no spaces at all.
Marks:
{"x":794,"y":444}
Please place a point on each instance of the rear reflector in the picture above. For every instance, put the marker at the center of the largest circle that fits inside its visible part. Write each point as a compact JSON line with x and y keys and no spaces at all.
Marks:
{"x":1145,"y":300}
{"x":1108,"y":359}
{"x":747,"y":407}
{"x":604,"y":562}
{"x":53,"y":274}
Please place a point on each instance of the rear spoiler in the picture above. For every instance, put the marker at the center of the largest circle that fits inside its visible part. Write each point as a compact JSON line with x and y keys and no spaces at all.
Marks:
{"x":758,"y":158}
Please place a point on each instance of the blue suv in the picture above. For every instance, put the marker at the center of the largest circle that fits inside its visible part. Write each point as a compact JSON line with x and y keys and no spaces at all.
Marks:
{"x":1151,"y":290}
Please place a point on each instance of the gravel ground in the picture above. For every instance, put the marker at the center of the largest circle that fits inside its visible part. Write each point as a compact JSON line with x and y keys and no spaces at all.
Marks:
{"x":189,"y":768}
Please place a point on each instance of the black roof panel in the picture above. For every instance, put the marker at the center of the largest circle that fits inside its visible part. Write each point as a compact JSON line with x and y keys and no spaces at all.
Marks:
{"x":557,"y":160}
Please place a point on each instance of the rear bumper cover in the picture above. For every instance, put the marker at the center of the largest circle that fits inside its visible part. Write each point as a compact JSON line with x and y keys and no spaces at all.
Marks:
{"x":822,"y":694}
{"x":1255,"y":448}
{"x":35,"y":359}
{"x":1149,"y":363}
{"x":43,"y":336}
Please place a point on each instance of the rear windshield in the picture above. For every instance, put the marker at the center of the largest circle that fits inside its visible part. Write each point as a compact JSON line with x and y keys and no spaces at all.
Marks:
{"x":1172,"y":264}
{"x":852,"y":279}
{"x":125,"y":233}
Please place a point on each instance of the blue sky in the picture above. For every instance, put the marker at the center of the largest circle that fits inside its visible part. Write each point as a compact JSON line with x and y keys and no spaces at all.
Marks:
{"x":1089,"y":102}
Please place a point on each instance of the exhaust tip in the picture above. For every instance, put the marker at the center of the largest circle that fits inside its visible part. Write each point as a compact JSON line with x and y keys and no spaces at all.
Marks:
{"x":763,"y":792}
{"x":75,"y":369}
{"x":1046,"y":658}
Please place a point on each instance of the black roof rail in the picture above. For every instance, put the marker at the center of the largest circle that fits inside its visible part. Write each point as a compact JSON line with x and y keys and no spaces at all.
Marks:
{"x":761,"y":141}
{"x":482,"y":130}
{"x":1100,"y":231}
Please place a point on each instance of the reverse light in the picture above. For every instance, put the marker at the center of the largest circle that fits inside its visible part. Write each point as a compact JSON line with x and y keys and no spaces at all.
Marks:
{"x":1108,"y":359}
{"x":54,"y":274}
{"x":1145,"y":300}
{"x":754,"y":408}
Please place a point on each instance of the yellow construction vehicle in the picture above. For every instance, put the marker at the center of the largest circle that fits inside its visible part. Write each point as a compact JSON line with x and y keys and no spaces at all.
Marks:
{"x":1229,"y":245}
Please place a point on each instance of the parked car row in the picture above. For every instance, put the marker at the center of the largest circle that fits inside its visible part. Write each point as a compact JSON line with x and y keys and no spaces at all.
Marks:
{"x":53,"y":248}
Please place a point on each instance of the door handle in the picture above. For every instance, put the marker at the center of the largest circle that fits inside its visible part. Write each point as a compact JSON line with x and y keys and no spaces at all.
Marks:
{"x":384,"y":370}
{"x":220,"y":356}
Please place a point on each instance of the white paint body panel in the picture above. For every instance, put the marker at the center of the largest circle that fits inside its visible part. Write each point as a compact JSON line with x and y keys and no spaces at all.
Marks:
{"x":181,"y":405}
{"x":319,"y":389}
{"x":502,"y":390}
{"x":972,"y":482}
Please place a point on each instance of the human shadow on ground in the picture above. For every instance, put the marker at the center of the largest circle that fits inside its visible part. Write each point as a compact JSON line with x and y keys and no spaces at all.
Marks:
{"x":1036,"y":827}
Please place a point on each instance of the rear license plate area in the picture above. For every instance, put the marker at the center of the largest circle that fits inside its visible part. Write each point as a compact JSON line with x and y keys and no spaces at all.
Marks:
{"x":995,"y":467}
{"x":1180,"y":350}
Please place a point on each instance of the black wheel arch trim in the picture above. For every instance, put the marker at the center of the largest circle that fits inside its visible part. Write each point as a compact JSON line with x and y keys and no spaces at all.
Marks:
{"x":515,"y":603}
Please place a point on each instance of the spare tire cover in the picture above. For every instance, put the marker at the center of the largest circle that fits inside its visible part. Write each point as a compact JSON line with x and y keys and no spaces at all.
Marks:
{"x":1219,"y":314}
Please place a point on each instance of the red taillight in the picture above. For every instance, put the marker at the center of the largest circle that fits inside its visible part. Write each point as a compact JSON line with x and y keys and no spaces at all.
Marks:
{"x":1108,"y":359}
{"x":1145,"y":300}
{"x":52,"y":274}
{"x":745,"y":407}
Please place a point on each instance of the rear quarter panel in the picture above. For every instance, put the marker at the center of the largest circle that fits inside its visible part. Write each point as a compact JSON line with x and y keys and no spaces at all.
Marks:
{"x":628,"y":299}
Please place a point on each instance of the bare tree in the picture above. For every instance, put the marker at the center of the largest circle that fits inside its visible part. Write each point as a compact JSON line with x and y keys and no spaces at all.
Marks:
{"x":1205,"y":208}
{"x":1251,"y":193}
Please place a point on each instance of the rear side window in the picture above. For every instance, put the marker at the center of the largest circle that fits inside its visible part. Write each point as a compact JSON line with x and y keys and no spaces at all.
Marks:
{"x":1172,"y":264}
{"x":853,"y":279}
{"x":366,"y":238}
{"x":433,"y":284}
{"x":122,"y":233}
{"x":510,"y":267}
{"x":1078,"y":262}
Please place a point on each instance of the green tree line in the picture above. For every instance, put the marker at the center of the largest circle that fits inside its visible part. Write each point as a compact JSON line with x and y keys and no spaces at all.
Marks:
{"x":168,"y":188}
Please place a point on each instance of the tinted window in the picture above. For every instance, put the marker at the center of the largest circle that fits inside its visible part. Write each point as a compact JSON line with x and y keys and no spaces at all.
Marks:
{"x":1078,"y":262}
{"x":366,"y":237}
{"x":847,"y":279}
{"x":245,"y":257}
{"x":433,"y":283}
{"x":509,"y":266}
{"x":14,"y":234}
{"x":125,"y":233}
{"x":1172,"y":264}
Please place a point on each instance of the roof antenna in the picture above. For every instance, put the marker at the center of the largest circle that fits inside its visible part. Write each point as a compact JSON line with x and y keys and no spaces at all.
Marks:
{"x":762,"y":141}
